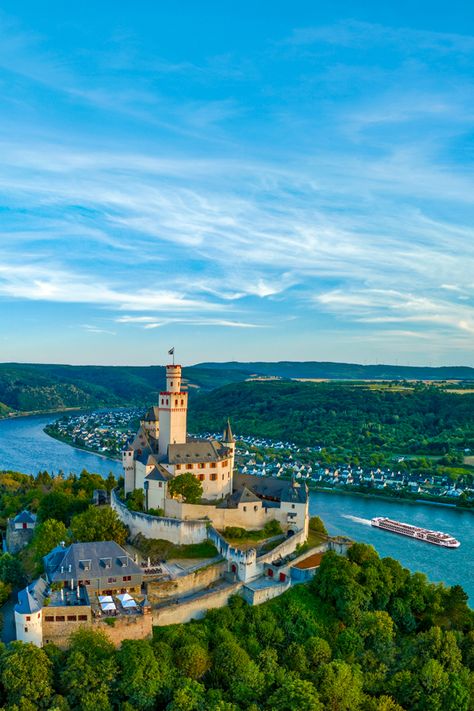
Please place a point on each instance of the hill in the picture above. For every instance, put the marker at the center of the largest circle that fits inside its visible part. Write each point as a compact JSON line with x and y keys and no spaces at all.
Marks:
{"x":421,"y":418}
{"x":38,"y":388}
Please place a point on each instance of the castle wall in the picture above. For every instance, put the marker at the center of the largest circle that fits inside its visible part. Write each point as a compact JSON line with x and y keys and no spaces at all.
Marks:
{"x":58,"y":624}
{"x":257,"y":595}
{"x":168,"y":529}
{"x":192,"y":582}
{"x":194,"y":609}
{"x":126,"y":627}
{"x":253,"y":517}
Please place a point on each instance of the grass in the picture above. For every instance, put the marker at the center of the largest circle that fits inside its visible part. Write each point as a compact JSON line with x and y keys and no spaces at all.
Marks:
{"x":158,"y":549}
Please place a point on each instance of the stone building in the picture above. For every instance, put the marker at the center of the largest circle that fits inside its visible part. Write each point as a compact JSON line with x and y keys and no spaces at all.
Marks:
{"x":161,"y":450}
{"x":77,"y":580}
{"x":20,"y":531}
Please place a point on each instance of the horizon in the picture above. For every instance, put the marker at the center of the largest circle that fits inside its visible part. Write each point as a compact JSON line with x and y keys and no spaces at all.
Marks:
{"x":240,"y":183}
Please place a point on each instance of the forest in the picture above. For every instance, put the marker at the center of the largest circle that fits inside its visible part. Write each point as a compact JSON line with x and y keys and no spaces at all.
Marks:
{"x":420,"y":419}
{"x":364,"y":635}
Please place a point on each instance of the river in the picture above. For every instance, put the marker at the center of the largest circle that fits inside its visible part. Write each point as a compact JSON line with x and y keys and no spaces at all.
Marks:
{"x":25,"y":447}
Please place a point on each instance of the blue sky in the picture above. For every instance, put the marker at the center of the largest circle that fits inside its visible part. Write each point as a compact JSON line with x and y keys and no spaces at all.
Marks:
{"x":251,"y":181}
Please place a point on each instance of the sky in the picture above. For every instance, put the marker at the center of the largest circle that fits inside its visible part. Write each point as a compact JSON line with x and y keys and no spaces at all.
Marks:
{"x":239,"y":180}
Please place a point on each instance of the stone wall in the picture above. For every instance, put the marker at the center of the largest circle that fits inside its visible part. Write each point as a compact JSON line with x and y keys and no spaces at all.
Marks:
{"x":59,"y":631}
{"x":243,"y":563}
{"x":195,"y":581}
{"x":126,"y":627}
{"x":258,"y":594}
{"x":288,"y":546}
{"x":168,"y":529}
{"x":253,"y":518}
{"x":196,"y":608}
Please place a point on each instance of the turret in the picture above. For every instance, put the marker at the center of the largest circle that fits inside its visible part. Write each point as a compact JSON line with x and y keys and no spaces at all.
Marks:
{"x":173,"y":406}
{"x":228,"y":440}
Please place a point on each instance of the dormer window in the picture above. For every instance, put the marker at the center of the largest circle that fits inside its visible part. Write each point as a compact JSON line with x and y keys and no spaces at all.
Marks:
{"x":85,"y":564}
{"x":123,"y":560}
{"x":106,"y":562}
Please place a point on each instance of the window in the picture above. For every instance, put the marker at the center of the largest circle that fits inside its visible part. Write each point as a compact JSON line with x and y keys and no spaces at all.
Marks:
{"x":87,"y":582}
{"x":213,"y":477}
{"x":292,"y":506}
{"x":255,"y":508}
{"x":178,"y":467}
{"x":162,"y":401}
{"x":72,"y":618}
{"x":49,"y":618}
{"x":39,"y":615}
{"x":160,"y":484}
{"x":126,"y":577}
{"x":213,"y":465}
{"x":111,"y":580}
{"x":201,"y":477}
{"x":222,"y":477}
{"x":245,"y":508}
{"x":224,"y":463}
{"x":176,"y":403}
{"x":25,"y":525}
{"x":190,"y":466}
{"x":228,"y":475}
{"x":182,"y":403}
{"x":82,"y":618}
{"x":28,"y":618}
{"x":201,"y":465}
{"x":60,"y":618}
{"x":26,"y":629}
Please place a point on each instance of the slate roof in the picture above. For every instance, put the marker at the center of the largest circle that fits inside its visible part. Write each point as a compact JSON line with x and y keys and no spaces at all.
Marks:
{"x":89,"y":560}
{"x":241,"y":496}
{"x":25,"y":517}
{"x":228,"y":437}
{"x":198,"y":450}
{"x":31,"y":598}
{"x":269,"y":487}
{"x":153,"y":414}
{"x":159,"y":473}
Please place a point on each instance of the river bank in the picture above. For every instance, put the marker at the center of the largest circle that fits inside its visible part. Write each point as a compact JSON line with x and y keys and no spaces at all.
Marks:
{"x":77,"y":446}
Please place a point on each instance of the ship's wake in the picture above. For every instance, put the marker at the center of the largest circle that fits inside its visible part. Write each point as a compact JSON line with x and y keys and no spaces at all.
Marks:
{"x":356,"y":519}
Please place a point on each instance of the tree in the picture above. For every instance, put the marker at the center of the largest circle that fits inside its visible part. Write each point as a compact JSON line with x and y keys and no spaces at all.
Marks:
{"x":188,"y":696}
{"x":295,"y":695}
{"x":89,"y":671}
{"x":47,"y":536}
{"x":193,"y":660}
{"x":140,"y":677}
{"x":316,"y":524}
{"x":27,"y":676}
{"x":341,"y":686}
{"x":11,"y":570}
{"x":187,"y":486}
{"x":59,"y":505}
{"x":98,"y":524}
{"x":136,"y":500}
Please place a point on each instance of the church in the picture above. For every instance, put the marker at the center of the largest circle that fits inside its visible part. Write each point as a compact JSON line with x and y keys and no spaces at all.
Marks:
{"x":161,"y":450}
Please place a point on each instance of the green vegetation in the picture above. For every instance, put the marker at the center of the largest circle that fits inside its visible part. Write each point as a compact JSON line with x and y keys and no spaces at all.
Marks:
{"x":42,"y":388}
{"x":235,"y":534}
{"x":365,"y":635}
{"x":357,"y":424}
{"x":157,"y":549}
{"x":187,"y":486}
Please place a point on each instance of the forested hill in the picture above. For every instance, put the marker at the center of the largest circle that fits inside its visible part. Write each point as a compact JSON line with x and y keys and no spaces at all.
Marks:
{"x":35,"y":387}
{"x":343,"y":371}
{"x":389,"y":418}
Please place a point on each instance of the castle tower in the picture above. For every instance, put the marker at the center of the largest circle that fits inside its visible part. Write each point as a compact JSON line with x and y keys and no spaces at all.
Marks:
{"x":128,"y":470}
{"x":228,"y":440}
{"x":173,"y":405}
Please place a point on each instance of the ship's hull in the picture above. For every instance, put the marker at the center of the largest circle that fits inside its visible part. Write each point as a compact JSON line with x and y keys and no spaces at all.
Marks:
{"x":436,"y":538}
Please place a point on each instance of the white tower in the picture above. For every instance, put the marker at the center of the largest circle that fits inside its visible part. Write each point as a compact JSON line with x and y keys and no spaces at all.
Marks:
{"x":173,"y":404}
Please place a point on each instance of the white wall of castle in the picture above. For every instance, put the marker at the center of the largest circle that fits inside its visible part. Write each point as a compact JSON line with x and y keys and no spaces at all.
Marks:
{"x":29,"y":628}
{"x":216,"y":478}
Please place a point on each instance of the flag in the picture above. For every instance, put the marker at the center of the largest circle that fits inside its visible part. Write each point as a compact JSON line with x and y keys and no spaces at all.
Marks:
{"x":171,"y":351}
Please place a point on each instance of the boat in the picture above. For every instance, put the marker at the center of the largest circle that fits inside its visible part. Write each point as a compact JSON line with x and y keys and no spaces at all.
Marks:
{"x":437,"y":538}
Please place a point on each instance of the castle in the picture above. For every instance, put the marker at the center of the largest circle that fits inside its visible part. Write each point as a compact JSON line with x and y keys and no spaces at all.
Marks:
{"x":162,"y":450}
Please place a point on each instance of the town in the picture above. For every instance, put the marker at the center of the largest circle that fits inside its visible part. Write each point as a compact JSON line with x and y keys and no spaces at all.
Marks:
{"x":107,"y":432}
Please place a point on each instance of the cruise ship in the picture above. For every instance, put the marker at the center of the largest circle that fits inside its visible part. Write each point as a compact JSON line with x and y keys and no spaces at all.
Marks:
{"x":420,"y":534}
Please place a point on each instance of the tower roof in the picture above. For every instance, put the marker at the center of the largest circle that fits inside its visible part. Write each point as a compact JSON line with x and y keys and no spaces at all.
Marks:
{"x":228,"y":436}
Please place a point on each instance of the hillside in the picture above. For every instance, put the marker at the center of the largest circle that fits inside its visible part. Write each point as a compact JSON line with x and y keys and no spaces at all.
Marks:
{"x":37,"y":388}
{"x":390,"y":419}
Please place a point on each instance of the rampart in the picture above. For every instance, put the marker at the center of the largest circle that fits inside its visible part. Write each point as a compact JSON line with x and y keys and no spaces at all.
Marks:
{"x":168,"y":529}
{"x":194,"y":581}
{"x":196,"y":607}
